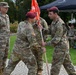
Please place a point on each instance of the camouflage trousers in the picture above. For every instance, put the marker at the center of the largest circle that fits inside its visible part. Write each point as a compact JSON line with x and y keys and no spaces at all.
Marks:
{"x":26,"y":56}
{"x":72,"y":43}
{"x":61,"y":57}
{"x":39,"y":58}
{"x":4,"y":46}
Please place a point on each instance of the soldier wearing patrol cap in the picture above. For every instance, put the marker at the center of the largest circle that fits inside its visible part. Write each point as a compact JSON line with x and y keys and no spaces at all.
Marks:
{"x":60,"y":43}
{"x":4,"y":34}
{"x":23,"y":46}
{"x":4,"y":4}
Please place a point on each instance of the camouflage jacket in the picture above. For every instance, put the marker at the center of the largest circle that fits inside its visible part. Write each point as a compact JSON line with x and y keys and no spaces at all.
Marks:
{"x":4,"y":25}
{"x":58,"y":32}
{"x":25,"y":35}
{"x":38,"y":34}
{"x":37,"y":30}
{"x":44,"y":23}
{"x":71,"y":32}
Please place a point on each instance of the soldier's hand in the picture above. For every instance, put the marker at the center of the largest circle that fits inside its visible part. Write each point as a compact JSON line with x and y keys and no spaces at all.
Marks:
{"x":44,"y":49}
{"x":43,"y":43}
{"x":40,"y":26}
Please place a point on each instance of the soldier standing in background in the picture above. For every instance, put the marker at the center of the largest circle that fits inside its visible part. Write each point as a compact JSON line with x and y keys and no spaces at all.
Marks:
{"x":4,"y":35}
{"x":23,"y":46}
{"x":60,"y":43}
{"x":71,"y":34}
{"x":39,"y":53}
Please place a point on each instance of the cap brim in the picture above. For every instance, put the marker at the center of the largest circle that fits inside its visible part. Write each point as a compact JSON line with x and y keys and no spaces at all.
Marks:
{"x":6,"y":6}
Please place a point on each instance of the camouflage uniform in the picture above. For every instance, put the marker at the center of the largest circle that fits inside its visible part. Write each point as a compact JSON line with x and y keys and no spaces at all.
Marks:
{"x":75,"y":38}
{"x":39,"y":53}
{"x":45,"y":27}
{"x":71,"y":34}
{"x":44,"y":23}
{"x":4,"y":39}
{"x":61,"y":52}
{"x":25,"y":42}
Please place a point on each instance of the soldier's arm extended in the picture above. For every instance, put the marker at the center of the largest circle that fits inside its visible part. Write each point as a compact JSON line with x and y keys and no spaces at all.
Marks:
{"x":58,"y":35}
{"x":31,"y":38}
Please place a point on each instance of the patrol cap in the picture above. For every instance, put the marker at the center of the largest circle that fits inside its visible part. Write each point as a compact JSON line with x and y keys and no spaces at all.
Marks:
{"x":31,"y":15}
{"x":54,"y":9}
{"x":4,"y":4}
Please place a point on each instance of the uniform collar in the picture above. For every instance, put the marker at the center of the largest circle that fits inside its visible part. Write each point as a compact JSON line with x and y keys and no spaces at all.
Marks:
{"x":54,"y":21}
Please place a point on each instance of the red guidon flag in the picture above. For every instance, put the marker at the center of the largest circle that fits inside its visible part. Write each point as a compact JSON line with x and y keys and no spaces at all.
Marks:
{"x":35,"y":8}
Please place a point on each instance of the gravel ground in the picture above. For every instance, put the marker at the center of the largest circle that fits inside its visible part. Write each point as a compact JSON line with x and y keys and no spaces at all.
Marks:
{"x":21,"y":69}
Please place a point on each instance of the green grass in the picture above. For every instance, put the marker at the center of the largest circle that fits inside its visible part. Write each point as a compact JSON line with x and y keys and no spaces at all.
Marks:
{"x":49,"y":51}
{"x":12,"y":40}
{"x":73,"y":55}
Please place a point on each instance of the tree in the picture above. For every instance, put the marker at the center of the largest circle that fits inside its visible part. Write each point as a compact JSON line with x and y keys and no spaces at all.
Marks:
{"x":12,"y":10}
{"x":23,"y":8}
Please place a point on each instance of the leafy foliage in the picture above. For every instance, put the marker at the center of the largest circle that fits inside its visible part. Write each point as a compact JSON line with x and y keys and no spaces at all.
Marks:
{"x":13,"y":27}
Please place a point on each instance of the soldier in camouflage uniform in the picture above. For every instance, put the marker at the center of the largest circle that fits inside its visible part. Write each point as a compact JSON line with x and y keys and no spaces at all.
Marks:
{"x":25,"y":42}
{"x":60,"y":43}
{"x":71,"y":34}
{"x":4,"y":34}
{"x":39,"y":53}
